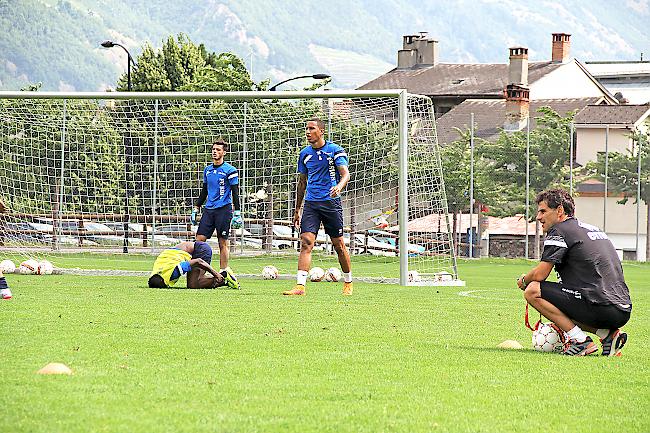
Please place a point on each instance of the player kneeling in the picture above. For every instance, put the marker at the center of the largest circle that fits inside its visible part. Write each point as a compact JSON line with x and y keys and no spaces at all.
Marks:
{"x":191,"y":258}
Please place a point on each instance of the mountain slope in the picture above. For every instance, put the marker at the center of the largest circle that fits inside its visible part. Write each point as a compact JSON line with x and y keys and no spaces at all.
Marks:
{"x":57,"y":42}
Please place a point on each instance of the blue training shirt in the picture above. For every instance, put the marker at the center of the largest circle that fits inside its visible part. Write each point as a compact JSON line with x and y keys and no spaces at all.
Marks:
{"x":219,"y":180}
{"x":321,"y":167}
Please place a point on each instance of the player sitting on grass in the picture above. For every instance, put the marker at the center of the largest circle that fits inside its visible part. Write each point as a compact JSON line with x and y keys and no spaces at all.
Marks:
{"x":192,"y":258}
{"x":591,"y":295}
{"x":5,"y":293}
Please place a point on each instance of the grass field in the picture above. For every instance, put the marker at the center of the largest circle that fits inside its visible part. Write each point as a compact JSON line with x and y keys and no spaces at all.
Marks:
{"x":388,"y":359}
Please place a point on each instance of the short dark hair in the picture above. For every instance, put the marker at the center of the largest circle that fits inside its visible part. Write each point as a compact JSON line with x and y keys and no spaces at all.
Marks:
{"x":221,"y":142}
{"x":318,"y":121}
{"x":157,"y":282}
{"x":555,"y":198}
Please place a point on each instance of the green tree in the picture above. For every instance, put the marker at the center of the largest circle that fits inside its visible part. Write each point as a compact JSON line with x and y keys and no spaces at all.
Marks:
{"x":622,"y":174}
{"x":181,"y":65}
{"x":506,"y":163}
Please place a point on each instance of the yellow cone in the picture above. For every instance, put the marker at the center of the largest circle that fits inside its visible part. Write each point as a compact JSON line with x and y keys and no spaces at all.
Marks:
{"x":55,"y":368}
{"x":510,"y":344}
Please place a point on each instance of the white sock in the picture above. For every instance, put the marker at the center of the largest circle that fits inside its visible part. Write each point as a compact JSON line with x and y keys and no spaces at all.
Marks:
{"x":347,"y":277}
{"x":602,"y":333}
{"x":302,"y":277}
{"x":576,"y":334}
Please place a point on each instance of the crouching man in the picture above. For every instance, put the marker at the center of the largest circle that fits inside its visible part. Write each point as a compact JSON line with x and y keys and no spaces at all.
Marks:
{"x":591,"y":294}
{"x":191,"y":258}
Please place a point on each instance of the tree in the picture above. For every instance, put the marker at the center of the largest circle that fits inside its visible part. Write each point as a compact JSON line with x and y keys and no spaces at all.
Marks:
{"x":181,"y":65}
{"x":622,"y":174}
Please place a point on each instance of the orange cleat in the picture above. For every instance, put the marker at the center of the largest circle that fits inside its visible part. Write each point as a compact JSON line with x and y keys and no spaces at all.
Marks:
{"x":299,"y":290}
{"x":347,"y":289}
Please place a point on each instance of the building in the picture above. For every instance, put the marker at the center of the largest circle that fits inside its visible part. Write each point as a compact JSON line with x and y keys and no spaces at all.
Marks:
{"x":448,"y":85}
{"x":629,"y":81}
{"x":601,"y":129}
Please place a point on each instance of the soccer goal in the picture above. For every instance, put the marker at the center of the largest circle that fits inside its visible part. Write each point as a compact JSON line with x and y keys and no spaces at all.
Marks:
{"x":116,"y":175}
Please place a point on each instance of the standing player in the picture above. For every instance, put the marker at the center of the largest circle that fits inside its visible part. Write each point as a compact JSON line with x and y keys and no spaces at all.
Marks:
{"x":191,"y":258}
{"x":5,"y":293}
{"x":591,"y":295}
{"x":221,"y":189}
{"x":322,"y":174}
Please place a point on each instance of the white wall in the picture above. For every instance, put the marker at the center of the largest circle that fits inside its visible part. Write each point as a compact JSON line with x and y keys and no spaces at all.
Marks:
{"x":590,"y":141}
{"x":567,"y":81}
{"x":620,"y":221}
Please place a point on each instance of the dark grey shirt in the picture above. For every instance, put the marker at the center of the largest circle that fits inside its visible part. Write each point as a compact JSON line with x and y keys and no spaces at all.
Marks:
{"x":585,"y":259}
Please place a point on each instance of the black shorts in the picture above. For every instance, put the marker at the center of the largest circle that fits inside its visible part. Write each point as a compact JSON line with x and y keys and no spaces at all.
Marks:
{"x":573,"y":303}
{"x":216,"y":219}
{"x":202,"y":251}
{"x":329,"y":212}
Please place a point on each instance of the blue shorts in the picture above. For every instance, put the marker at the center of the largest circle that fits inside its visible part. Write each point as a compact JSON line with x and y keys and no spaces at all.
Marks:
{"x":329,"y":212}
{"x":202,"y":251}
{"x":216,"y":219}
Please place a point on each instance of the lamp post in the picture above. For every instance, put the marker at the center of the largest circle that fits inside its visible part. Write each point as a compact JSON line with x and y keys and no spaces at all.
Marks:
{"x":129,"y":59}
{"x":127,"y":218}
{"x":315,"y":76}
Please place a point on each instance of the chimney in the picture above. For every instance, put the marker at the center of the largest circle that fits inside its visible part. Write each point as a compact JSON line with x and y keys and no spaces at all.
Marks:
{"x":561,"y":47}
{"x":417,"y":50}
{"x":517,"y":106}
{"x":518,"y":69}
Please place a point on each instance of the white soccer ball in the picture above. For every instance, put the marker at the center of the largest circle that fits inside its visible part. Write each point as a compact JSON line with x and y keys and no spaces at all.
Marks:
{"x":414,"y":277}
{"x":316,"y":274}
{"x":270,"y":272}
{"x":546,"y":338}
{"x":333,"y":275}
{"x":7,"y":267}
{"x":28,"y":267}
{"x":45,"y":267}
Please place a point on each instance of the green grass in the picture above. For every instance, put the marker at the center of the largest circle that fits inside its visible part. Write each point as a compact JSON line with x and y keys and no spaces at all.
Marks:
{"x":388,"y":359}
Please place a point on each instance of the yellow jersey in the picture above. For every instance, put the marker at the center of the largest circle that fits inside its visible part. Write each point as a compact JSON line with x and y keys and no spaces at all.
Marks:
{"x":169,"y":261}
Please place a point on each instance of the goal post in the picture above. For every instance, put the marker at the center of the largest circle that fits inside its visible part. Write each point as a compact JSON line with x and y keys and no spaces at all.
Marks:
{"x":118,"y":172}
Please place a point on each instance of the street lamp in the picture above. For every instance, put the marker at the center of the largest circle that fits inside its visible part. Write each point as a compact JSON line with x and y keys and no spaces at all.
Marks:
{"x":315,"y":76}
{"x":127,"y":217}
{"x":129,"y":60}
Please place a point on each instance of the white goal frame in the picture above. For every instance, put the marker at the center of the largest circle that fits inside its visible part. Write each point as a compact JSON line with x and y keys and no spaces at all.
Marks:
{"x":400,"y":94}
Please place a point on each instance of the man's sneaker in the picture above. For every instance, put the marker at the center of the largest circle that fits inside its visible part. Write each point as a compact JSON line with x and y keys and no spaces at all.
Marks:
{"x":299,"y":290}
{"x":585,"y":348}
{"x":347,"y":289}
{"x":613,"y":343}
{"x":5,"y":293}
{"x":230,"y":279}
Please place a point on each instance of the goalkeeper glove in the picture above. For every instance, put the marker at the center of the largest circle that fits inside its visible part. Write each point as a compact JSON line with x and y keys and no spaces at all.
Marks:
{"x":195,"y":211}
{"x":237,"y":220}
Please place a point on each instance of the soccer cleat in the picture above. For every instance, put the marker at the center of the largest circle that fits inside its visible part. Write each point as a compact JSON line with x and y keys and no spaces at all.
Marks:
{"x":5,"y":293}
{"x":347,"y":289}
{"x":230,"y":279}
{"x":299,"y":290}
{"x":585,"y":348}
{"x":613,"y":343}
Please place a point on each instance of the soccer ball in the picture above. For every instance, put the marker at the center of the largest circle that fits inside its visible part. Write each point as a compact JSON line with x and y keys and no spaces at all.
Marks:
{"x":333,"y":275}
{"x":7,"y":267}
{"x":28,"y":267}
{"x":45,"y":267}
{"x":548,"y":337}
{"x":270,"y":272}
{"x":414,"y":277}
{"x":316,"y":274}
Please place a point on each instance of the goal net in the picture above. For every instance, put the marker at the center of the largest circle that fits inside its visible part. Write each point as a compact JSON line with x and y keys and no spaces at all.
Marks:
{"x":114,"y":176}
